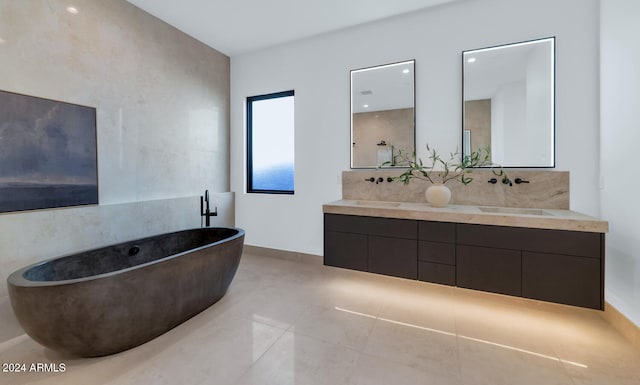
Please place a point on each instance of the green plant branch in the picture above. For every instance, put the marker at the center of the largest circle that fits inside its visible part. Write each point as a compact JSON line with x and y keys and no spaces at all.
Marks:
{"x":456,"y":168}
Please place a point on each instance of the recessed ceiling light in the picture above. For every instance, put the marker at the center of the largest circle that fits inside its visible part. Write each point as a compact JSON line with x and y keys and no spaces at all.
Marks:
{"x":366,"y":106}
{"x":405,"y":71}
{"x":2,"y":41}
{"x":72,"y":10}
{"x":471,"y":60}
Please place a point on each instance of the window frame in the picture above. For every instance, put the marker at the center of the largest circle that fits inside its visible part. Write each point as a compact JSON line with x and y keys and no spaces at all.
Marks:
{"x":249,"y":127}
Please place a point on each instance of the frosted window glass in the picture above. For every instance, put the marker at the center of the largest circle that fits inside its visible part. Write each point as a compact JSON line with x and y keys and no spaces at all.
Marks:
{"x":271,"y":143}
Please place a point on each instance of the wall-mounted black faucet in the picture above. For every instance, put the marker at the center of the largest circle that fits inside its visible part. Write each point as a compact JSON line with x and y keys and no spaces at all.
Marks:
{"x":206,"y":212}
{"x":379,"y":180}
{"x":520,"y":180}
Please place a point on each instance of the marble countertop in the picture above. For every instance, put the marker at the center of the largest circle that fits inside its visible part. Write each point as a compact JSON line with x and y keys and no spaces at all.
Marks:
{"x":484,"y":215}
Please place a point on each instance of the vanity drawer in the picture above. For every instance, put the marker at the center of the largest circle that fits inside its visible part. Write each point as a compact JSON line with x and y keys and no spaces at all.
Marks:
{"x":437,"y":231}
{"x":345,"y":223}
{"x":577,"y":243}
{"x":437,"y":273}
{"x":384,"y":227}
{"x":437,"y":252}
{"x":394,"y":228}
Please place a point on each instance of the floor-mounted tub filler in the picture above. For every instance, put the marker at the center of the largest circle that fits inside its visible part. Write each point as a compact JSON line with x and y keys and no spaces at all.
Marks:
{"x":110,"y":299}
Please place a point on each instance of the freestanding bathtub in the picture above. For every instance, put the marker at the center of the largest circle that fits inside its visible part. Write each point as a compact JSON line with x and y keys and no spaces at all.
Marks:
{"x":113,"y":298}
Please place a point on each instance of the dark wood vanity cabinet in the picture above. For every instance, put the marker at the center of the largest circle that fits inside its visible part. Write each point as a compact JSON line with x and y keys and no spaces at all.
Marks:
{"x":392,"y":256}
{"x":378,"y":245}
{"x":550,"y":265}
{"x":567,"y":279}
{"x":437,"y":252}
{"x":489,"y":269}
{"x":347,"y":250}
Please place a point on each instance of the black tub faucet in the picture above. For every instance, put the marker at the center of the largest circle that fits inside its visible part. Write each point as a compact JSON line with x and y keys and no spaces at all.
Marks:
{"x":204,"y":209}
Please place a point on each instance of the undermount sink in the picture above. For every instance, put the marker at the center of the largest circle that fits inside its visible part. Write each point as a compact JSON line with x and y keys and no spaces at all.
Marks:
{"x":378,"y":203}
{"x":513,"y":210}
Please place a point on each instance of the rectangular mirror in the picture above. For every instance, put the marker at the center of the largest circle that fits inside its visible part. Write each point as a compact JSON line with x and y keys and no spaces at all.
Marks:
{"x":382,"y":113}
{"x":509,"y":102}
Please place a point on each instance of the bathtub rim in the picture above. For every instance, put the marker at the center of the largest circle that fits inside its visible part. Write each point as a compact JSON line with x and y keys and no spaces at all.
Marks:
{"x":17,"y":278}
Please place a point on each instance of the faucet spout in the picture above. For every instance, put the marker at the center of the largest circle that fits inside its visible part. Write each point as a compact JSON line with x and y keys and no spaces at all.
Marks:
{"x":205,"y":211}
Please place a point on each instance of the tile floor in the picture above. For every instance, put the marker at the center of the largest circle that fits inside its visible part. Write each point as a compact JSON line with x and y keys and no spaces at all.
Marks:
{"x":285,"y":322}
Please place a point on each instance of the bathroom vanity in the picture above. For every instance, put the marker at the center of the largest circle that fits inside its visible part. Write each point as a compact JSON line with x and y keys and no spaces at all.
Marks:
{"x":544,"y":254}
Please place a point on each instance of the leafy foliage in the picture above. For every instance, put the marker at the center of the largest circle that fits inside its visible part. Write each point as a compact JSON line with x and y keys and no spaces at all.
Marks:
{"x":440,"y":171}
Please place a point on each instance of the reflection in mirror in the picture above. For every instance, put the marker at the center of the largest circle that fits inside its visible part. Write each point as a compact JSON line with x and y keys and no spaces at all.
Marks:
{"x":382,"y":113}
{"x":508,"y":103}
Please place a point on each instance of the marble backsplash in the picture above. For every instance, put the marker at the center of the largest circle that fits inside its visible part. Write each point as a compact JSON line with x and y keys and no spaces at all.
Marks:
{"x":545,"y":190}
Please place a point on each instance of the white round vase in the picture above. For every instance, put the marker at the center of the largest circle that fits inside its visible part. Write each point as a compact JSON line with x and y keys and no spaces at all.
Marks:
{"x":438,"y":195}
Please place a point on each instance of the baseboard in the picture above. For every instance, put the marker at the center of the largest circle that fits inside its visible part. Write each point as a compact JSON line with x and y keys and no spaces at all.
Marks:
{"x":283,"y":254}
{"x":621,"y":323}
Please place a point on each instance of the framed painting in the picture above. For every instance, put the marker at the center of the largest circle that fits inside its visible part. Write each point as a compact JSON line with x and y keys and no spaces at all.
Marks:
{"x":48,"y":154}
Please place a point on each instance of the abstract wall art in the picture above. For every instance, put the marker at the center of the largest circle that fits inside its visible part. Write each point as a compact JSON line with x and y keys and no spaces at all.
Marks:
{"x":48,"y":153}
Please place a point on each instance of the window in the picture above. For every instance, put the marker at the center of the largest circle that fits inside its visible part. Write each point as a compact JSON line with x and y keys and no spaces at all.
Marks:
{"x":270,"y":143}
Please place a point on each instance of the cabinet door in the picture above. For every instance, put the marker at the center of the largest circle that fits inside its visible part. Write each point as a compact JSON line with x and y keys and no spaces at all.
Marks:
{"x":562,"y":278}
{"x":393,"y":256}
{"x":489,"y":269}
{"x":345,"y":250}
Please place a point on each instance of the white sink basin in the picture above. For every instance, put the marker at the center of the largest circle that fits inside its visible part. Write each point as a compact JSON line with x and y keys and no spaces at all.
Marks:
{"x":378,"y":203}
{"x":513,"y":210}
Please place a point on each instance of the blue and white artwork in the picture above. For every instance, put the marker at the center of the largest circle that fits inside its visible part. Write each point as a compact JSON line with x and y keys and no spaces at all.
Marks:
{"x":47,"y":153}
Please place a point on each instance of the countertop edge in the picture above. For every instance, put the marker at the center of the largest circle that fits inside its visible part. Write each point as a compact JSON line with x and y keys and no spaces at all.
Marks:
{"x":573,"y":221}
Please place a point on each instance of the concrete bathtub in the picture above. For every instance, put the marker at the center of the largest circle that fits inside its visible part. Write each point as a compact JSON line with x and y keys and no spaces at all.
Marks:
{"x":113,"y":298}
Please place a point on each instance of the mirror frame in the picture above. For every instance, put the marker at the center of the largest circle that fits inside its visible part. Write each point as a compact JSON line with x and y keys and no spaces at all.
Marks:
{"x":552,"y":39}
{"x":351,"y":142}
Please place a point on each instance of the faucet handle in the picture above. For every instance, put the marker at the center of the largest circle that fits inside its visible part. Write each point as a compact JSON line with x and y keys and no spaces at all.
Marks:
{"x":493,"y":181}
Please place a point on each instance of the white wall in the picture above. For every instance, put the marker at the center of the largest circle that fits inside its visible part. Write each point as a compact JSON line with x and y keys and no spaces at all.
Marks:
{"x":318,"y":70}
{"x":162,"y":124}
{"x":620,"y":136}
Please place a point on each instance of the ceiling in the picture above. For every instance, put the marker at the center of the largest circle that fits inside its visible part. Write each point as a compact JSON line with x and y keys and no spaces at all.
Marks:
{"x":234,"y":27}
{"x":380,"y":88}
